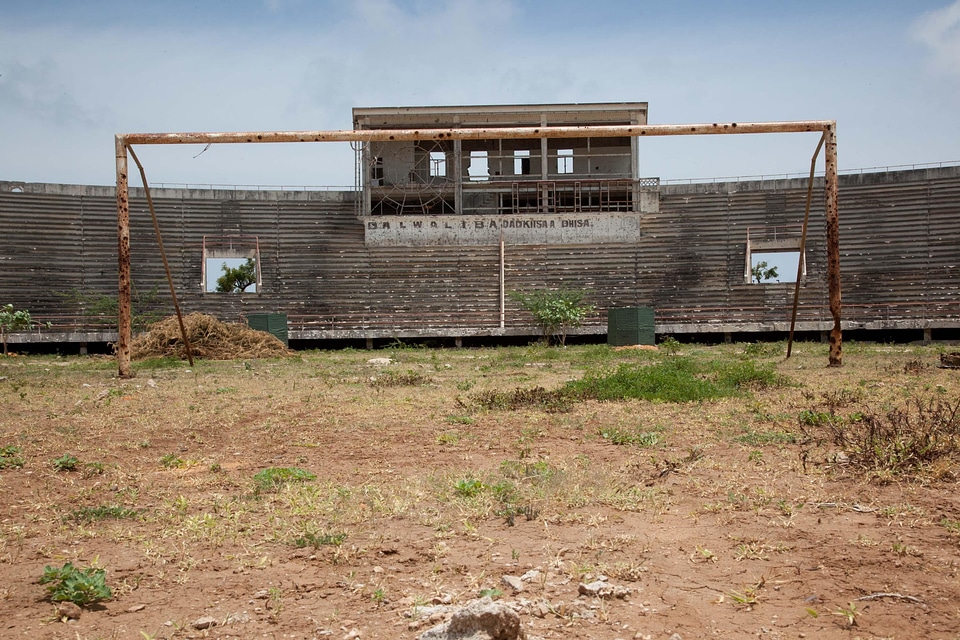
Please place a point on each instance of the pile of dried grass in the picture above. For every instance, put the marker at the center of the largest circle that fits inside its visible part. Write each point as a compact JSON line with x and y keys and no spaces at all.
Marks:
{"x":209,"y":339}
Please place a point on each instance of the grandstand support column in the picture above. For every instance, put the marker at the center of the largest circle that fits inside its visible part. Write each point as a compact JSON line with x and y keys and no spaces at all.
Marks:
{"x":833,"y":244}
{"x":123,"y":257}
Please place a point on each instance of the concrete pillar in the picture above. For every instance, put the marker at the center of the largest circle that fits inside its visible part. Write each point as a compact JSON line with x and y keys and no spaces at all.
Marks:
{"x":927,"y":335}
{"x":458,"y":341}
{"x":369,"y":343}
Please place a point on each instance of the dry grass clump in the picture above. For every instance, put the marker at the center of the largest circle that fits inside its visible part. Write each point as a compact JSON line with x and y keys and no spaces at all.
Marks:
{"x":209,"y":338}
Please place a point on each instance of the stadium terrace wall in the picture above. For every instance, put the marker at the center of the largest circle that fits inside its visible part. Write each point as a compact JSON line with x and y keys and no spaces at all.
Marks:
{"x":900,"y":268}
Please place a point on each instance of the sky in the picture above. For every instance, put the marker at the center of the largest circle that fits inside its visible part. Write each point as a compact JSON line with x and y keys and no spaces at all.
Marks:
{"x":74,"y":73}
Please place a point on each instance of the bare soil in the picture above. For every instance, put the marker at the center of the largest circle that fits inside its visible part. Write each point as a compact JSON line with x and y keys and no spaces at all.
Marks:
{"x":730,"y":521}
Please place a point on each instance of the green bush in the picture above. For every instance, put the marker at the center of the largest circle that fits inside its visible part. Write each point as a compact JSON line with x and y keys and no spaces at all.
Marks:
{"x":555,"y":311}
{"x":79,"y":586}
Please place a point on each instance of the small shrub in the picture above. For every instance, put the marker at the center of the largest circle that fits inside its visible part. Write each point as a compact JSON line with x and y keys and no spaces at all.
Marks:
{"x":10,"y":457}
{"x":556,"y":311}
{"x":66,"y":462}
{"x":904,"y":440}
{"x":275,"y":477}
{"x":670,"y":345}
{"x":79,"y":586}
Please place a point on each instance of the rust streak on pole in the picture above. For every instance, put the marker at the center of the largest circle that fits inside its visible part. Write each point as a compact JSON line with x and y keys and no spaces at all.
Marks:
{"x":123,"y":258}
{"x":833,"y":245}
{"x":481,"y":133}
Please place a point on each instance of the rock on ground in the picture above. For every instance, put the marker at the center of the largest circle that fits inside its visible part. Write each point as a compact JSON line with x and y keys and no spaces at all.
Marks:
{"x":480,"y":620}
{"x":68,"y":610}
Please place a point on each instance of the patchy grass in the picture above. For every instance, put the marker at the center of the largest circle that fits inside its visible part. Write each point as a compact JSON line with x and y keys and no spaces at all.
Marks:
{"x":102,"y":512}
{"x":276,"y":477}
{"x":294,"y":479}
{"x":622,"y":436}
{"x":676,"y":379}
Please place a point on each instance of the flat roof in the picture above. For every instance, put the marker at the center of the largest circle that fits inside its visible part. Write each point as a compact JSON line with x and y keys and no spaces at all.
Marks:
{"x":505,"y":114}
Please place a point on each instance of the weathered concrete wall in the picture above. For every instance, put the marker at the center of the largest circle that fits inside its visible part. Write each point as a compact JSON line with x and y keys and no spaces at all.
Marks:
{"x":900,"y":246}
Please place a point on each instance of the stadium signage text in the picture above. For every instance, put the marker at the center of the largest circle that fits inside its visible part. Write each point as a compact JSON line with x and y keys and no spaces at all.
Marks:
{"x":416,"y":231}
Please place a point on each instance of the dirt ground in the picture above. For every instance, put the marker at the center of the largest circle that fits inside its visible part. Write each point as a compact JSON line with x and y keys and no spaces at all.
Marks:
{"x":721,"y":518}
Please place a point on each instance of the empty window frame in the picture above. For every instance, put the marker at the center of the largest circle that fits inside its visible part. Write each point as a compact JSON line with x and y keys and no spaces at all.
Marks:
{"x":438,"y":164}
{"x":771,"y":267}
{"x":773,"y":255}
{"x":564,"y":161}
{"x":231,"y":264}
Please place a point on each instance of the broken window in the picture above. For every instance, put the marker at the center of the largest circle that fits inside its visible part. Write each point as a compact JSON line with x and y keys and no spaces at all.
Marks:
{"x":479,"y":168}
{"x":565,"y":161}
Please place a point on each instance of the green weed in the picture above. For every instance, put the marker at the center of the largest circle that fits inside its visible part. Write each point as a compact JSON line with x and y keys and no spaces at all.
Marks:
{"x":172,"y":461}
{"x":79,"y":586}
{"x":468,"y":487}
{"x":10,"y":457}
{"x":66,"y":462}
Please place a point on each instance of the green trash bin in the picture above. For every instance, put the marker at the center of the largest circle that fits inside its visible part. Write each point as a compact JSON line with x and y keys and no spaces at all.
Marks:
{"x":630,"y":326}
{"x":272,"y":323}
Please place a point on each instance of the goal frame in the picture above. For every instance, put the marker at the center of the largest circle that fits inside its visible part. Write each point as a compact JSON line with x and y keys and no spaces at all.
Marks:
{"x":124,"y":142}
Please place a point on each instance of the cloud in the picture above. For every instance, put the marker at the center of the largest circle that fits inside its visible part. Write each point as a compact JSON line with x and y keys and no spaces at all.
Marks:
{"x":939,"y":31}
{"x":32,"y":90}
